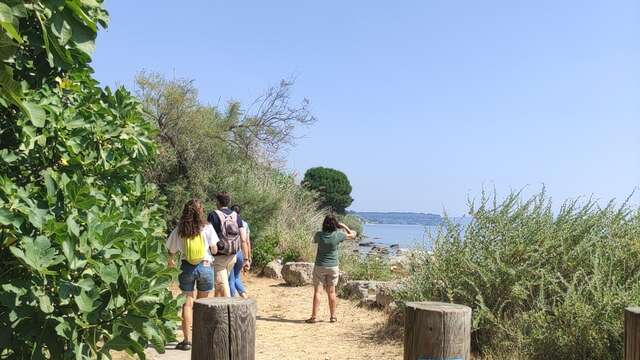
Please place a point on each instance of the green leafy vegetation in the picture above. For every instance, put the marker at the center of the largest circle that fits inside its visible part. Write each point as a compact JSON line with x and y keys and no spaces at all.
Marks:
{"x":83,"y":270}
{"x":205,"y":149}
{"x":333,"y":188}
{"x":290,"y":255}
{"x":265,"y":250}
{"x":542,"y":285}
{"x":371,"y":267}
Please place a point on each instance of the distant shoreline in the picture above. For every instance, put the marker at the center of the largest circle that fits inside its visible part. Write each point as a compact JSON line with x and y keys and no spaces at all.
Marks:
{"x":399,"y":218}
{"x":389,"y":224}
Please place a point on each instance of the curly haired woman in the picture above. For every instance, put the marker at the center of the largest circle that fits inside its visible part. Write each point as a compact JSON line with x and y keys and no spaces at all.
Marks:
{"x":195,"y":239}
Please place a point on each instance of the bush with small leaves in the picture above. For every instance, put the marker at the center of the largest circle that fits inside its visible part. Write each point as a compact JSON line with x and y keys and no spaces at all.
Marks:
{"x":542,"y":284}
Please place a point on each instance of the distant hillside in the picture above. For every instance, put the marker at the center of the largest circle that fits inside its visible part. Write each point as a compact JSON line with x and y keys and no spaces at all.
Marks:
{"x":403,"y":218}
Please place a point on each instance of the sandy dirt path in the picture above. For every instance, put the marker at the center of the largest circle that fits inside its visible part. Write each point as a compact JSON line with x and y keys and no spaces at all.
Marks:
{"x":282,"y":334}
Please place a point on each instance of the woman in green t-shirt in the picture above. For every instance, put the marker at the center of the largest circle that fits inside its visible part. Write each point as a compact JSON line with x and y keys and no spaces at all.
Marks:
{"x":325,"y":271}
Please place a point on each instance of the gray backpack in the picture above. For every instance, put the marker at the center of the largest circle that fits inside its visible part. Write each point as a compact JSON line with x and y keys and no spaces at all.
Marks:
{"x":229,"y":233}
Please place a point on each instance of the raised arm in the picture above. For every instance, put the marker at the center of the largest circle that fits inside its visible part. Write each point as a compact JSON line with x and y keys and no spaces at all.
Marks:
{"x":351,"y":235}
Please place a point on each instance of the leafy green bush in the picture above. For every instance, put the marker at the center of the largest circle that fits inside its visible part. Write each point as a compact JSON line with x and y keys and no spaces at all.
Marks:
{"x":205,"y":149}
{"x":290,"y":255}
{"x":332,"y":186}
{"x":365,"y":267}
{"x":83,"y":269}
{"x":265,"y":249}
{"x":541,"y":285}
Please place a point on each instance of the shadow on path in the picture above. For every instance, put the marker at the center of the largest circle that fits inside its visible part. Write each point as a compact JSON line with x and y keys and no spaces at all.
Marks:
{"x":282,"y":285}
{"x":280,"y":320}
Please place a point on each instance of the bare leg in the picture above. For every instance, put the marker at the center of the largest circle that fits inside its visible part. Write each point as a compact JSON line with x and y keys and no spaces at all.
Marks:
{"x":222,"y":283}
{"x":221,"y":276}
{"x":331,"y":293}
{"x":187,"y":316}
{"x":317,"y":292}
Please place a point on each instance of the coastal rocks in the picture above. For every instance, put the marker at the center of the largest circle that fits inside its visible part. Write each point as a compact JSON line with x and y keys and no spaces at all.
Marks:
{"x":359,"y":289}
{"x":399,"y":264}
{"x":297,"y":273}
{"x":379,"y":250}
{"x":384,"y":294}
{"x":343,"y":278}
{"x":273,"y":270}
{"x":369,"y":292}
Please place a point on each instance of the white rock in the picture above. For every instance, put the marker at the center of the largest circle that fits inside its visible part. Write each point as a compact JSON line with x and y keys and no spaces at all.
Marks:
{"x":297,"y":273}
{"x":273,"y":270}
{"x":359,"y":289}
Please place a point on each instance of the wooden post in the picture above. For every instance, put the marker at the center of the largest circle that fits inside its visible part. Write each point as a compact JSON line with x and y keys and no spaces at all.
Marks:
{"x":224,"y":329}
{"x":632,"y":333}
{"x":437,"y":331}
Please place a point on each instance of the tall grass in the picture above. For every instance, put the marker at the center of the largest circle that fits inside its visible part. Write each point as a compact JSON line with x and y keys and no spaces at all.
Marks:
{"x":370,"y":267}
{"x":282,"y":215}
{"x":296,"y":223}
{"x":542,"y":285}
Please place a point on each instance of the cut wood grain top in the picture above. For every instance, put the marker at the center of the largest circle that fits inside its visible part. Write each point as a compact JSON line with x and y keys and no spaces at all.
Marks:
{"x":218,"y":301}
{"x":438,"y":306}
{"x":633,"y":309}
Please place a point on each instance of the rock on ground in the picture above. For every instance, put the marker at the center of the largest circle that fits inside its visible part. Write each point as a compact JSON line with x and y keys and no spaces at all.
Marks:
{"x":369,"y":292}
{"x":379,"y":250}
{"x":384,"y":294}
{"x":359,"y":289}
{"x":399,"y":264}
{"x":297,"y":273}
{"x":273,"y":270}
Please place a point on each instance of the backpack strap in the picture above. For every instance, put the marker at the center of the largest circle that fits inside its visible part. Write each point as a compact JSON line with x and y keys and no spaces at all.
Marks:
{"x":221,"y":217}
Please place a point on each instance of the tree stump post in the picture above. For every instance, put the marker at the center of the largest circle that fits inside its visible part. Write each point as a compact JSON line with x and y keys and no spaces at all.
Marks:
{"x":632,"y":333}
{"x":437,"y":331}
{"x":224,"y":329}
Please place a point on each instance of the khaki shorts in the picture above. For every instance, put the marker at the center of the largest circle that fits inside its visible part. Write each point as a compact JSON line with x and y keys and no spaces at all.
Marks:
{"x":222,"y":266}
{"x":325,"y":275}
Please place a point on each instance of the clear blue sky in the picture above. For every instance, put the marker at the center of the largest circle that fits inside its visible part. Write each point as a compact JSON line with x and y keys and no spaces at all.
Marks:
{"x":421,"y":103}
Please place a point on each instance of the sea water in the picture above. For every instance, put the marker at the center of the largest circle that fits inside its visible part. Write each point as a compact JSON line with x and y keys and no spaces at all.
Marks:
{"x":405,"y":236}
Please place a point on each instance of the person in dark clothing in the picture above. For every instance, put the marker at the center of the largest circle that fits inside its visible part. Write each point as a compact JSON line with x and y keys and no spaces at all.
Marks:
{"x":224,"y":261}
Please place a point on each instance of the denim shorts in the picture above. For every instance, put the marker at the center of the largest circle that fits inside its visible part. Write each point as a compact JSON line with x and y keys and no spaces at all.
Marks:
{"x":201,"y":274}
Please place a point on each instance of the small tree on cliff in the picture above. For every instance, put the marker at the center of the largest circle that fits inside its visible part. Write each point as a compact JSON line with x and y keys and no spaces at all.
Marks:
{"x":332,"y":185}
